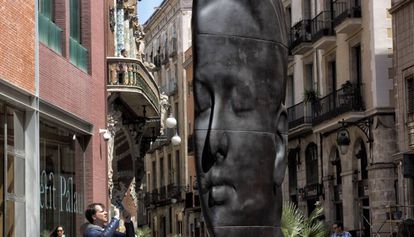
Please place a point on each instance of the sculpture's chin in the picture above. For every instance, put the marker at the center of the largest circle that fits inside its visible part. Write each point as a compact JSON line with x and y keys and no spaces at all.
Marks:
{"x":247,"y":231}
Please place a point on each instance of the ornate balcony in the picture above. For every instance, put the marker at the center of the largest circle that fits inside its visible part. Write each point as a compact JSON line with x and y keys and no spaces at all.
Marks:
{"x":135,"y":85}
{"x":174,"y":191}
{"x":322,"y":31}
{"x":346,"y":99}
{"x":300,"y":40}
{"x":347,"y":16}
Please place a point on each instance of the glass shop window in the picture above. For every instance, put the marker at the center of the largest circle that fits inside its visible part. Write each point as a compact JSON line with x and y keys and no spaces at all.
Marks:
{"x":12,"y":176}
{"x":61,"y":179}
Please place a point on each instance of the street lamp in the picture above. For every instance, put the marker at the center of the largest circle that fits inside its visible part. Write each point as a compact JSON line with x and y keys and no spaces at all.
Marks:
{"x":343,"y":140}
{"x":171,"y":122}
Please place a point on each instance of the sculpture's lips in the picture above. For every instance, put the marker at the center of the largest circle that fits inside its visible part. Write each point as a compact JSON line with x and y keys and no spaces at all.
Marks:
{"x":220,"y":194}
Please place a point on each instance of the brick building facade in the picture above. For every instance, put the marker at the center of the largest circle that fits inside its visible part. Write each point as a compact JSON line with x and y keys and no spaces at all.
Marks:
{"x":52,"y":102}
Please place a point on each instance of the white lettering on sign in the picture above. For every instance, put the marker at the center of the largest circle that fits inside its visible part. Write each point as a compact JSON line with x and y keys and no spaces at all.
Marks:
{"x":68,"y":199}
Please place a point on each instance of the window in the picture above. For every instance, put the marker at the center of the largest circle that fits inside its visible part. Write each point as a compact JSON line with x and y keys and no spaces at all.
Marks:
{"x":177,"y":168}
{"x":162,"y":172}
{"x":170,"y":170}
{"x":290,"y":100}
{"x":356,"y":65}
{"x":309,"y":76}
{"x":293,"y":174}
{"x":78,"y":53}
{"x":311,"y":156}
{"x":292,"y":168}
{"x":410,"y":94}
{"x":61,"y":179}
{"x":12,"y":176}
{"x":49,"y":33}
{"x":154,"y":175}
{"x":307,"y":9}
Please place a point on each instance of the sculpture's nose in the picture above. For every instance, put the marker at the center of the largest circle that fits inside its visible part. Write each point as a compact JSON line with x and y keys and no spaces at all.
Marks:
{"x":217,"y":142}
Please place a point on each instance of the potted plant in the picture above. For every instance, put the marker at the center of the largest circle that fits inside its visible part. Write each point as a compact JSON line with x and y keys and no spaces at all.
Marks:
{"x":310,"y":96}
{"x":295,"y":224}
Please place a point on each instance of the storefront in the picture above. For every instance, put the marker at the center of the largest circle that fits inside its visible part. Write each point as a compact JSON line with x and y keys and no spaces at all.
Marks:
{"x":12,"y":165}
{"x":42,"y":178}
{"x":62,"y":178}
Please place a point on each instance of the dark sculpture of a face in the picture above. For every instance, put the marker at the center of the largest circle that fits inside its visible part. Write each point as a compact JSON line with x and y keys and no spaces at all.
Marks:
{"x":240,"y":60}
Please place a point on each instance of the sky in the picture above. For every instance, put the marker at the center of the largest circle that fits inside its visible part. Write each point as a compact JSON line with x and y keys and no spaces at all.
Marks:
{"x":146,"y":8}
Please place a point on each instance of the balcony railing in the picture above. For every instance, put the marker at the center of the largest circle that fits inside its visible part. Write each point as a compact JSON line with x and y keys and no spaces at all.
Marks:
{"x":344,"y":9}
{"x":147,"y":199}
{"x":346,"y":99}
{"x":163,"y":193}
{"x":174,"y":191}
{"x":322,"y":25}
{"x":128,"y":73}
{"x":154,"y":196}
{"x":300,"y":33}
{"x":299,"y":114}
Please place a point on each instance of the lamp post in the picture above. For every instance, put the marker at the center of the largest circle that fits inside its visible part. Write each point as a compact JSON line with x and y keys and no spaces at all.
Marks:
{"x":343,"y":139}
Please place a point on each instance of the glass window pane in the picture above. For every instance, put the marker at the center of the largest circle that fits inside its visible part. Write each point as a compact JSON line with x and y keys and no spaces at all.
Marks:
{"x":61,"y":179}
{"x":15,"y":221}
{"x":15,"y":176}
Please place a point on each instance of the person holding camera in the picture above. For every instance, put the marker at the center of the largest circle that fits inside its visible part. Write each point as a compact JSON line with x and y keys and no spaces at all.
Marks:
{"x":98,"y":225}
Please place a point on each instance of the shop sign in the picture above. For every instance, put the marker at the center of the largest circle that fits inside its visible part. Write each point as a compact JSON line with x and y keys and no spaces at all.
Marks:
{"x":57,"y":192}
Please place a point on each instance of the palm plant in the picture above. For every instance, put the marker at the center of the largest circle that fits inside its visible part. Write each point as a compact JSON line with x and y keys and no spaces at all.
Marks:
{"x":295,"y":224}
{"x":143,"y":232}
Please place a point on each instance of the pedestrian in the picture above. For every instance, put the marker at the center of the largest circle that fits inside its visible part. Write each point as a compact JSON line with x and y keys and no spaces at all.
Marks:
{"x":98,"y":225}
{"x":58,"y":232}
{"x":338,"y":230}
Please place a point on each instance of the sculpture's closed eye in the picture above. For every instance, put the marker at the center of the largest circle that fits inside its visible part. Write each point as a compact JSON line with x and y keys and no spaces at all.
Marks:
{"x":203,"y":99}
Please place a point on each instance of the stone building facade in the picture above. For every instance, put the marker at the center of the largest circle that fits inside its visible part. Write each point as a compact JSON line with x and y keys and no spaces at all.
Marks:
{"x":403,"y":36}
{"x":133,"y":112}
{"x":340,"y":100}
{"x":169,"y":176}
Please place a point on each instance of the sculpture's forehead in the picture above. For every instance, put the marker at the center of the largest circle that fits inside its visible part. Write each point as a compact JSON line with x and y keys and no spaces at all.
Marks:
{"x":258,"y":19}
{"x":245,"y":61}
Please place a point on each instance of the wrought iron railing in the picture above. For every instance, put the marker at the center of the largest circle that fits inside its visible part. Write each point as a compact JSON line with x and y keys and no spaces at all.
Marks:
{"x":299,"y":114}
{"x":346,"y":99}
{"x":344,"y":9}
{"x":163,"y":193}
{"x":322,"y":25}
{"x":300,"y":33}
{"x":147,"y":198}
{"x":174,"y":191}
{"x":155,"y":196}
